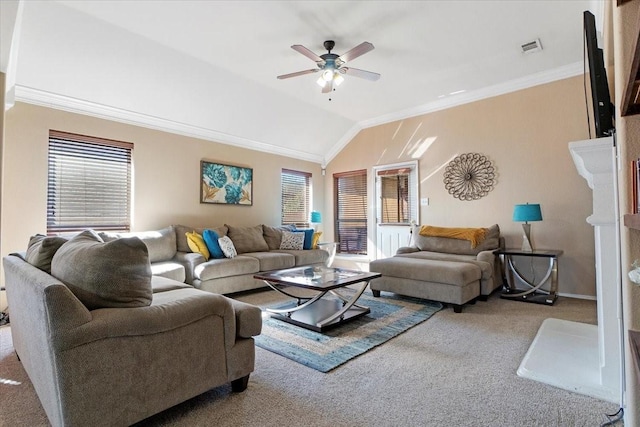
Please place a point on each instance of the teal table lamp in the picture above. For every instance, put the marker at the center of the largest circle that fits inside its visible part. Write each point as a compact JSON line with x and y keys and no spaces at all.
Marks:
{"x":316,"y":217}
{"x":526,"y":213}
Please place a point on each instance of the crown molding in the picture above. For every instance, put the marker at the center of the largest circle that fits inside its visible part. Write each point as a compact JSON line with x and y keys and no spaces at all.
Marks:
{"x":78,"y":106}
{"x":74,"y":105}
{"x":560,"y":73}
{"x":532,"y":80}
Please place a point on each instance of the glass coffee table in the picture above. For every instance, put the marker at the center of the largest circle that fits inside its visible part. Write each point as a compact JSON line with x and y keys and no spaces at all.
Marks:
{"x":325,"y":307}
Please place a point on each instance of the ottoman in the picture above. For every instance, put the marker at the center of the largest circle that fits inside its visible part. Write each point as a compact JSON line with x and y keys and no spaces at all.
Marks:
{"x":450,"y":282}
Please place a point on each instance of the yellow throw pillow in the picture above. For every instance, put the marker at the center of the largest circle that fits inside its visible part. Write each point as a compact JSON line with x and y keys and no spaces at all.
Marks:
{"x":316,"y":239}
{"x":196,"y":244}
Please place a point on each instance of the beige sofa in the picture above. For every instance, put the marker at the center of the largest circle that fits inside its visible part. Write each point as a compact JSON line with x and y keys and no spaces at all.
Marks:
{"x":106,"y":343}
{"x":257,"y":247}
{"x":442,"y":269}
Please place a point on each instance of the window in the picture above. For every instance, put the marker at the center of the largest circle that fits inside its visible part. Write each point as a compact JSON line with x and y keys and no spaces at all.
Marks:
{"x":350,"y":189}
{"x":296,"y":197}
{"x":89,"y":183}
{"x":396,"y":187}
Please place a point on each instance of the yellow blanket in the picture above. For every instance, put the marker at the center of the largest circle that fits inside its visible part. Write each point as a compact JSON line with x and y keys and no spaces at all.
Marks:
{"x":474,"y":235}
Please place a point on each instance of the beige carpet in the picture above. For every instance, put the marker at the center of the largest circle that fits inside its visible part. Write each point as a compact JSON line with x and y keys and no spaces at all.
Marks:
{"x":453,"y":370}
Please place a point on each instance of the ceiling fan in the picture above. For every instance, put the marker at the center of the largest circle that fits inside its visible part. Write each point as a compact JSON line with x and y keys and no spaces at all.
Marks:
{"x":332,"y":65}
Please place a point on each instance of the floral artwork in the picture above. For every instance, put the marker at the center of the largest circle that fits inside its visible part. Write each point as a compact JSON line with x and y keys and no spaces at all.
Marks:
{"x":225,"y":184}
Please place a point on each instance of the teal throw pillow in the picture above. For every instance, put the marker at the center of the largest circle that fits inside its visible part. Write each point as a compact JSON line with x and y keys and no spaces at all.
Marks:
{"x":308,"y":237}
{"x":211,"y":240}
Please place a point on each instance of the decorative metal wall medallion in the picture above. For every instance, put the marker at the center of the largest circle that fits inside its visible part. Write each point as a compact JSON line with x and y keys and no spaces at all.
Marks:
{"x":469,"y":176}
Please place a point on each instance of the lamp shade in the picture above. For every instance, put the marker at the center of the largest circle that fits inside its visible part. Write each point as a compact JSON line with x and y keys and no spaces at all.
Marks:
{"x":526,"y":213}
{"x":316,"y":217}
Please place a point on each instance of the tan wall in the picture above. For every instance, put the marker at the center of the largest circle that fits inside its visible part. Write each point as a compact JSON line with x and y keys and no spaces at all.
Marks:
{"x":526,"y":135}
{"x":3,"y":297}
{"x":166,"y":175}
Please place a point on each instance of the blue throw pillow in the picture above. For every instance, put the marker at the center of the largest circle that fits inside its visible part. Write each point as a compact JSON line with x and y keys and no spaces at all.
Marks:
{"x":211,"y":240}
{"x":308,"y":237}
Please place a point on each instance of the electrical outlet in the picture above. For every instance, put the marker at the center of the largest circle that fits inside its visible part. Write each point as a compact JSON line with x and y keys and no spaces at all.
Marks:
{"x":424,"y":201}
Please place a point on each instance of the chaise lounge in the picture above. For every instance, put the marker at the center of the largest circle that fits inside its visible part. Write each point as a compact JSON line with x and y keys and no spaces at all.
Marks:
{"x":443,"y":268}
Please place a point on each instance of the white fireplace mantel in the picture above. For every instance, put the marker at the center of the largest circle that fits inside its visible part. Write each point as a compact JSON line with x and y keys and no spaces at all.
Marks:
{"x":588,"y":358}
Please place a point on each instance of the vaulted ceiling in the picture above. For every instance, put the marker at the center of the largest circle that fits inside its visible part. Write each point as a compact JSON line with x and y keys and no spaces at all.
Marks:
{"x":208,"y":68}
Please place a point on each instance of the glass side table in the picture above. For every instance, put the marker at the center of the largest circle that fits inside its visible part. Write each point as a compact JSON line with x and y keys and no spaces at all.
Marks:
{"x":533,"y":292}
{"x":330,"y":248}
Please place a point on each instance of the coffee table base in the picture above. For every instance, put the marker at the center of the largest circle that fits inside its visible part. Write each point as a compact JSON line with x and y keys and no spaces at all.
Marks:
{"x":312,"y":316}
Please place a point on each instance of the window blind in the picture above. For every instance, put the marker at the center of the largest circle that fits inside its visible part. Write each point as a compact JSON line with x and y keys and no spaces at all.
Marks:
{"x":89,"y":183}
{"x":296,"y":197}
{"x":350,"y":189}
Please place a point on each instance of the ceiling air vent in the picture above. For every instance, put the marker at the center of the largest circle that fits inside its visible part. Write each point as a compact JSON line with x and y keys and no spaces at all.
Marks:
{"x":534,"y":46}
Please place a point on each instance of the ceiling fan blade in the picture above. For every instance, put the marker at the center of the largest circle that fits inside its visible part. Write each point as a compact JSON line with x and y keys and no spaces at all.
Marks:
{"x":306,"y":52}
{"x":361,"y":49}
{"x":298,"y":73}
{"x":328,"y":87}
{"x":363,"y":74}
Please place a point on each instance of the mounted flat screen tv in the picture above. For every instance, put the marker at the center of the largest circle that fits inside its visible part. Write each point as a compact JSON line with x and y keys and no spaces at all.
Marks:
{"x":603,"y":110}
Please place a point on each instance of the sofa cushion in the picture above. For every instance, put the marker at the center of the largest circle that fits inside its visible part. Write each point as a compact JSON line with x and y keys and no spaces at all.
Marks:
{"x":211,"y":239}
{"x":181,"y":238}
{"x":217,"y":268}
{"x":247,"y":239}
{"x":197,"y":244}
{"x":114,"y":274}
{"x":456,"y":246}
{"x":273,"y":260}
{"x":308,"y":257}
{"x":273,"y":235}
{"x":41,"y":250}
{"x":163,"y":284}
{"x":169,"y":269}
{"x":292,"y":240}
{"x":160,"y":243}
{"x":228,"y":249}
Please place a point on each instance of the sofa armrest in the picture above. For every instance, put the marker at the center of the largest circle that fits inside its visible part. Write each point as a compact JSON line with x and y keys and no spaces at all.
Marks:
{"x":168,"y":311}
{"x":487,"y":256}
{"x":407,"y":250}
{"x":248,"y":319}
{"x":189,"y":260}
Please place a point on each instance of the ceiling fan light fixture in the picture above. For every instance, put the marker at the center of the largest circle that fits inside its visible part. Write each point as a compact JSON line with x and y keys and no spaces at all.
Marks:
{"x":327,"y":75}
{"x":321,"y":81}
{"x":337,"y":78}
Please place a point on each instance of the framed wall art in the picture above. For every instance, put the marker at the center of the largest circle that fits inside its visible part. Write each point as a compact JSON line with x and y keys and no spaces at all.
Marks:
{"x":225,"y":184}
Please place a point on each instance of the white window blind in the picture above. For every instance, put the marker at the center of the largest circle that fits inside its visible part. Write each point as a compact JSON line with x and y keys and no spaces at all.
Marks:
{"x":351,"y":211}
{"x":89,"y":183}
{"x":296,"y":197}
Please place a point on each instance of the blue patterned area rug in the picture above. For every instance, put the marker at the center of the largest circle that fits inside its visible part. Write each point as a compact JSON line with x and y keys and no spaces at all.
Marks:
{"x":390,"y":316}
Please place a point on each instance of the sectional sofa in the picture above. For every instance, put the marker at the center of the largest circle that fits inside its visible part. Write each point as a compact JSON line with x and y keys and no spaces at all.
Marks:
{"x":258,"y":249}
{"x":107,"y":343}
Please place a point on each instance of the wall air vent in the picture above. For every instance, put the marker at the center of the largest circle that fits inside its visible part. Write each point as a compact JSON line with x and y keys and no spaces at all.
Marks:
{"x":534,"y":46}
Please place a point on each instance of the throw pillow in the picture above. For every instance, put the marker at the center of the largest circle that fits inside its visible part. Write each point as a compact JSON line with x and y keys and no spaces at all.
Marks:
{"x":160,"y":243}
{"x":41,"y":250}
{"x":102,"y":275}
{"x":292,"y":240}
{"x":308,"y":237}
{"x":226,"y":244}
{"x":247,"y":239}
{"x":196,"y":244}
{"x":211,"y":240}
{"x":273,"y":235}
{"x":316,"y":239}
